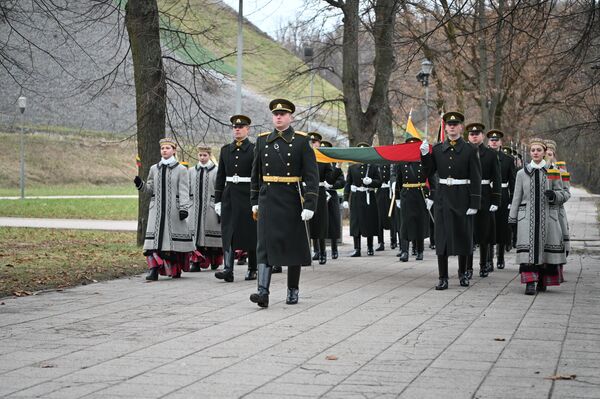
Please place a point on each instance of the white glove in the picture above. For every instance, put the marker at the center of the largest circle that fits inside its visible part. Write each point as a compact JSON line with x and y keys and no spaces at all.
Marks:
{"x":345,"y":205}
{"x":254,"y":208}
{"x":471,"y":211}
{"x":424,"y":147}
{"x":428,"y":203}
{"x":218,"y":208}
{"x":307,"y":214}
{"x":508,"y":207}
{"x":493,"y":208}
{"x":398,"y":204}
{"x":327,"y":185}
{"x":367,"y":180}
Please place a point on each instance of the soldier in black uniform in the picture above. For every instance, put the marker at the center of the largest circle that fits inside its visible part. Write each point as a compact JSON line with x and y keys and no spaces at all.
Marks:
{"x":457,"y":197}
{"x":319,"y":223}
{"x":508,"y":172}
{"x":361,"y":182}
{"x":283,"y":160}
{"x":485,"y":223}
{"x":232,"y":199}
{"x":384,"y":199}
{"x":413,"y":201}
{"x":334,"y":224}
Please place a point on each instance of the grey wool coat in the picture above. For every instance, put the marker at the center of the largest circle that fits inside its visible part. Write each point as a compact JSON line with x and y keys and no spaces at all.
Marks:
{"x":203,"y":221}
{"x":539,"y":234}
{"x":169,"y":186}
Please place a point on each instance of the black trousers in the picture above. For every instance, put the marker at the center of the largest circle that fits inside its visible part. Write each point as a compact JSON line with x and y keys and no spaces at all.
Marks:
{"x":293,"y":276}
{"x":443,"y":265}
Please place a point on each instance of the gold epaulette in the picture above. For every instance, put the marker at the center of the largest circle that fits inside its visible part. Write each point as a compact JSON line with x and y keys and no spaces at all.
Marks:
{"x":263,"y":134}
{"x":300,"y":133}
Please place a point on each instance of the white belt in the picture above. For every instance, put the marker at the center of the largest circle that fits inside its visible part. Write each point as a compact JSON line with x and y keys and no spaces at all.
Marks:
{"x":504,"y":185}
{"x":484,"y":182}
{"x":454,"y":182}
{"x":237,"y":179}
{"x":385,"y":185}
{"x":354,"y":189}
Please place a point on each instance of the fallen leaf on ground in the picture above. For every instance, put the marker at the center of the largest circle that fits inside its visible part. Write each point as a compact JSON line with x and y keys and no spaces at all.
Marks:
{"x":21,"y":293}
{"x":331,"y":357}
{"x":47,"y":365}
{"x":562,"y":377}
{"x":499,"y":339}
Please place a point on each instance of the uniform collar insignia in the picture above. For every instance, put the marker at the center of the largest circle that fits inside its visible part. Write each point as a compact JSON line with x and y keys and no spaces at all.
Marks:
{"x":286,"y":135}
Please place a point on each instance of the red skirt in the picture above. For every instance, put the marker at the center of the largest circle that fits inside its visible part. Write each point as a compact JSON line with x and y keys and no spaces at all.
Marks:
{"x":548,"y":274}
{"x":169,"y":263}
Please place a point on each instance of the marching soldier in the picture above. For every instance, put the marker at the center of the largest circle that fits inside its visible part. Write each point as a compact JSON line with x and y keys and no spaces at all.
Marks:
{"x":319,"y":223}
{"x":203,"y":221}
{"x":168,"y":240}
{"x":507,"y":174}
{"x":485,"y":226}
{"x":232,"y":199}
{"x":283,"y":160}
{"x":414,"y":204}
{"x":361,"y":182}
{"x":458,"y":196}
{"x":334,"y":224}
{"x":384,"y":199}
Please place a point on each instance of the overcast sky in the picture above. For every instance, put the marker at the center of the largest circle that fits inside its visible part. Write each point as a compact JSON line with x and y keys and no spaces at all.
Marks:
{"x":268,"y":15}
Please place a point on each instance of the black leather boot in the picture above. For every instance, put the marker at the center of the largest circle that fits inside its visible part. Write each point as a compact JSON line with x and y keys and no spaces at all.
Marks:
{"x":261,"y":298}
{"x":195,"y":268}
{"x":483,"y":263}
{"x":443,"y":272}
{"x":251,"y":272}
{"x":277,"y":269}
{"x":322,"y":252}
{"x":152,"y":274}
{"x":393,"y":240}
{"x":316,"y":249}
{"x":227,"y":273}
{"x":293,"y":280}
{"x":500,"y":264}
{"x":370,"y":251}
{"x":469,"y":271}
{"x":414,"y":248}
{"x":403,"y":256}
{"x":464,"y":280}
{"x":334,"y":250}
{"x":530,"y":289}
{"x":420,"y":245}
{"x":356,"y":253}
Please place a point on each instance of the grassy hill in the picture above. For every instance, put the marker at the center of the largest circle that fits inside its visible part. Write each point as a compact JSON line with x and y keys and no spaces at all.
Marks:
{"x":266,"y":64}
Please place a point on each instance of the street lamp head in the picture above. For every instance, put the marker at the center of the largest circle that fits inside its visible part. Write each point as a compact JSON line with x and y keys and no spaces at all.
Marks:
{"x":308,"y":53}
{"x":22,"y":103}
{"x":426,"y":67}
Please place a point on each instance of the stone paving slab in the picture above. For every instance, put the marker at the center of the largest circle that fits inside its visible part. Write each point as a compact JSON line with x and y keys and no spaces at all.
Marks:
{"x":391,"y":334}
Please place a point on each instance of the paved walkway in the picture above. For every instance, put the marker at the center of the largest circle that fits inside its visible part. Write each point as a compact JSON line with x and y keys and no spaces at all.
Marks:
{"x":366,"y":327}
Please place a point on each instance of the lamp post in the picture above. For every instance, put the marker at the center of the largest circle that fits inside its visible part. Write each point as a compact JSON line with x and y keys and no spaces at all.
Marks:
{"x":423,"y":77}
{"x":240,"y":48}
{"x":22,"y":104}
{"x":308,"y":58}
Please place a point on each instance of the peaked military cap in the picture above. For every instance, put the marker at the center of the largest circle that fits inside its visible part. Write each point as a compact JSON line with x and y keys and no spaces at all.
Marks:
{"x":314,"y":136}
{"x":363,"y":144}
{"x":325,"y":143}
{"x":240,"y":120}
{"x":168,"y":141}
{"x":413,"y":139}
{"x":494,"y":134}
{"x":475,"y":127}
{"x":453,"y":116}
{"x":281,"y":104}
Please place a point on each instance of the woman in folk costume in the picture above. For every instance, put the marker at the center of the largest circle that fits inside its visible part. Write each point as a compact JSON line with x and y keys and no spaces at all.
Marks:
{"x":203,"y":221}
{"x":168,"y":240}
{"x":538,"y":195}
{"x":565,"y":177}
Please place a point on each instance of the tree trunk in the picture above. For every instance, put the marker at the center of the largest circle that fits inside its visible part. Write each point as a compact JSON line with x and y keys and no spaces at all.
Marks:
{"x":142,"y":21}
{"x":385,"y":126}
{"x":483,"y":64}
{"x":362,"y":126}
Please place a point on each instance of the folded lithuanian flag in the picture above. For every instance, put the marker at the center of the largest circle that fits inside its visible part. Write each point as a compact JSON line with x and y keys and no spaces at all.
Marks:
{"x":384,"y":154}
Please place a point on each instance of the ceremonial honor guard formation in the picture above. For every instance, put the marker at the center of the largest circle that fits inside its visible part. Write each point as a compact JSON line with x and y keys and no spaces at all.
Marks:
{"x":271,"y":200}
